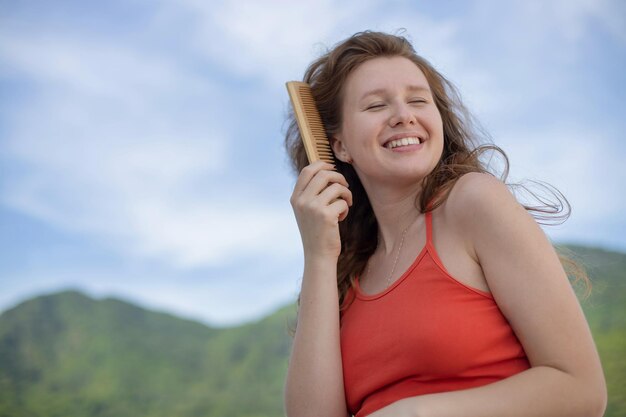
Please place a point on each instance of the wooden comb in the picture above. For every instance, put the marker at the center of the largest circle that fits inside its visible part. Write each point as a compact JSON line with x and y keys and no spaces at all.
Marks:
{"x":310,"y":124}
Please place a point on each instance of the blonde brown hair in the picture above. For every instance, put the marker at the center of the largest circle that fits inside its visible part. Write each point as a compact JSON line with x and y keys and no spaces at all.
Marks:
{"x":461,"y":154}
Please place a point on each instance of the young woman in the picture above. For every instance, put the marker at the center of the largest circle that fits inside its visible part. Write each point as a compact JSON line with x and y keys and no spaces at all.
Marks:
{"x":428,"y":290}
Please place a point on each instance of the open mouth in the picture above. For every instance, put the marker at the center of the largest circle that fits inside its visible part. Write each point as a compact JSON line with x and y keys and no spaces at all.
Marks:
{"x":396,"y":143}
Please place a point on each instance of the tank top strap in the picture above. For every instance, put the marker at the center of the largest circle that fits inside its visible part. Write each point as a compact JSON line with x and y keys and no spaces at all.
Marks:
{"x":429,"y":228}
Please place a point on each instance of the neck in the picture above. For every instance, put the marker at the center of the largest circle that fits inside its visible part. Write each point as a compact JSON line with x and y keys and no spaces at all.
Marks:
{"x":395,"y":210}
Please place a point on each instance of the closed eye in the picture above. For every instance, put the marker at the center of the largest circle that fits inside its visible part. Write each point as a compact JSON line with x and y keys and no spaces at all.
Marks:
{"x":375,"y":106}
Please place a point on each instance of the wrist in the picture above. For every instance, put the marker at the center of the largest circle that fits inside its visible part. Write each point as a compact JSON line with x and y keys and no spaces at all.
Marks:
{"x":321,"y":270}
{"x":320,"y":262}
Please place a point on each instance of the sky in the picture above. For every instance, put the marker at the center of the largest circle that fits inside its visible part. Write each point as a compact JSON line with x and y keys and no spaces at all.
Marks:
{"x":141,"y":142}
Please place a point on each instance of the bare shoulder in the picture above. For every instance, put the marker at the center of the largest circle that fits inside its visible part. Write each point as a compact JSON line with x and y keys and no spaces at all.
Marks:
{"x":477,"y":198}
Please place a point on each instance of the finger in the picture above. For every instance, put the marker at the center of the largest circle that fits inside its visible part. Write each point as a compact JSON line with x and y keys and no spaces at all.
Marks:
{"x":308,"y":173}
{"x":321,"y":181}
{"x":335,"y":191}
{"x":340,"y":208}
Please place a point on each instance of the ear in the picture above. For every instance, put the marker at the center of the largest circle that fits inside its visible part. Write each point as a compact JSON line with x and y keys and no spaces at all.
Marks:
{"x":340,"y":150}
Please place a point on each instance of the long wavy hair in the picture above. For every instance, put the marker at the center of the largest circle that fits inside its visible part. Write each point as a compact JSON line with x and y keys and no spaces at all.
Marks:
{"x":462,"y":152}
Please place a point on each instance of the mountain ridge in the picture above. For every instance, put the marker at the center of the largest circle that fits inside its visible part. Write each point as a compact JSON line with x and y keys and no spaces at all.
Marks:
{"x":112,"y":358}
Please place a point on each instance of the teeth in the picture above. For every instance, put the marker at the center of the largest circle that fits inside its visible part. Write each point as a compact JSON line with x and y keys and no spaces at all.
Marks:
{"x":403,"y":142}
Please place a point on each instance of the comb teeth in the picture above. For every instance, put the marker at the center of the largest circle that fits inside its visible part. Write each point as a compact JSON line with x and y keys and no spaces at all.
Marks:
{"x":310,"y":124}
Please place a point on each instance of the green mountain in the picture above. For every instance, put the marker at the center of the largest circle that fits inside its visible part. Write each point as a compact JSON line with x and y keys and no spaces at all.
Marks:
{"x":66,"y":354}
{"x":69,"y":355}
{"x":606,"y":313}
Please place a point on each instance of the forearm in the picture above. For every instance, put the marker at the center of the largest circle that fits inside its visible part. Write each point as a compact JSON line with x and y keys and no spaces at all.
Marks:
{"x":537,"y":392}
{"x":314,"y":383}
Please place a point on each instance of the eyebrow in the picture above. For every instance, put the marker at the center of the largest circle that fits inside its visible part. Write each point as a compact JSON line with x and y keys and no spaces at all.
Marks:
{"x":380,"y":91}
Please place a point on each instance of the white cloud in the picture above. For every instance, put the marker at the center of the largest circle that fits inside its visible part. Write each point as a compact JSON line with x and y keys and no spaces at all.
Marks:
{"x":265,"y":40}
{"x":162,"y":196}
{"x":574,"y":18}
{"x":274,"y":41}
{"x":583,"y":164}
{"x":97,"y":68}
{"x":211,"y":233}
{"x":510,"y":57}
{"x":103,"y":150}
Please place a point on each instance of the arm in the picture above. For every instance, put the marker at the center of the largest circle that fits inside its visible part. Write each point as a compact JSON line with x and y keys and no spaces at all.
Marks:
{"x":314,"y":383}
{"x":534,"y":294}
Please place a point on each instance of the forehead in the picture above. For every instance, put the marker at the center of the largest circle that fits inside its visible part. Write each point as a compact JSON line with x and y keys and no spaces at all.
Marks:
{"x":384,"y":73}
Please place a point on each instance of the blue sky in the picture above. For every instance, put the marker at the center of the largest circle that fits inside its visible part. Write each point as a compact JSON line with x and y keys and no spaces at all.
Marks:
{"x":141,"y":141}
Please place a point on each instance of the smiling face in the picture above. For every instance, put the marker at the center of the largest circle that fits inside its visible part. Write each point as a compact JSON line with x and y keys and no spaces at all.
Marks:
{"x":391,"y":129}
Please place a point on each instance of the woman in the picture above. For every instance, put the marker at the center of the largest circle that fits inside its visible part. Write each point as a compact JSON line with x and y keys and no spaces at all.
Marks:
{"x":428,"y":290}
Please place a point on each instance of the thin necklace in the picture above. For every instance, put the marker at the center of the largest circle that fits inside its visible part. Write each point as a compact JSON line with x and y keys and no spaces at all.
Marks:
{"x":395,"y":262}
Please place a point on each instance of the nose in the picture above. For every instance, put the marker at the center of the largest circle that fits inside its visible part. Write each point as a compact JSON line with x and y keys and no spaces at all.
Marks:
{"x":402,"y":115}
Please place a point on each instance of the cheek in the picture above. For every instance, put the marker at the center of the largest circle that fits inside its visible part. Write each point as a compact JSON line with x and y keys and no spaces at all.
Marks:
{"x":359,"y":130}
{"x":436,"y":120}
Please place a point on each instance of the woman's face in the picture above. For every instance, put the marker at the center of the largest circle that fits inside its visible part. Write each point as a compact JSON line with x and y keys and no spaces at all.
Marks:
{"x":391,"y":128}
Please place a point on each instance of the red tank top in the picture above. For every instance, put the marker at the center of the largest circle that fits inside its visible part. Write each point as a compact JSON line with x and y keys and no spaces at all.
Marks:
{"x":424,"y":334}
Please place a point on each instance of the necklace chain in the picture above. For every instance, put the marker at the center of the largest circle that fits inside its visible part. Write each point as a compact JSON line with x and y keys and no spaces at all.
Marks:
{"x":395,"y":262}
